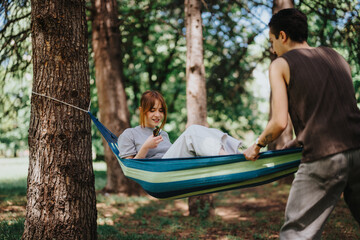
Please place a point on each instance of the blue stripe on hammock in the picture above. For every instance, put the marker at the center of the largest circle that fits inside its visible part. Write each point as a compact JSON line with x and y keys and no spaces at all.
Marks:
{"x":211,"y":180}
{"x":174,"y":164}
{"x":179,"y":193}
{"x":206,"y":184}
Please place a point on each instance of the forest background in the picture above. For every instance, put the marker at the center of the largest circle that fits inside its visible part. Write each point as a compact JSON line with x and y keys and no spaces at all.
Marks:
{"x":146,"y":47}
{"x":153,"y":53}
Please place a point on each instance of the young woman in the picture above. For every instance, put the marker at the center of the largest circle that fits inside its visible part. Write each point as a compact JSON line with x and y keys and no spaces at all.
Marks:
{"x":140,"y":142}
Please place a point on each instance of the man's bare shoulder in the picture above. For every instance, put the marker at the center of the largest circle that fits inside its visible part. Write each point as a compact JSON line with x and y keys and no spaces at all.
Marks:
{"x":281,"y":67}
{"x":279,"y":63}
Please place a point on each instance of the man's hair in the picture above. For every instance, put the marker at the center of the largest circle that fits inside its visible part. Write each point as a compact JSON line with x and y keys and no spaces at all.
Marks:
{"x":292,"y":21}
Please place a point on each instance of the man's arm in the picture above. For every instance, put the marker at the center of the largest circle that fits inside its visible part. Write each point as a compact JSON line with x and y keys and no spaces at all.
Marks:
{"x":279,"y":75}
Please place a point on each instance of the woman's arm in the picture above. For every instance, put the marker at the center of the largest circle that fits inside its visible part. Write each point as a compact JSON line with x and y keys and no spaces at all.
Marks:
{"x":127,"y":145}
{"x":151,"y":142}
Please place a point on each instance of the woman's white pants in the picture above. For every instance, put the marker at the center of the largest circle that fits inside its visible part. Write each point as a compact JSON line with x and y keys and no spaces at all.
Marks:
{"x":202,"y":141}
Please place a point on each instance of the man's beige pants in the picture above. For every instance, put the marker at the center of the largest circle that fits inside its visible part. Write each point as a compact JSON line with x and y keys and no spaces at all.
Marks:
{"x":316,"y":189}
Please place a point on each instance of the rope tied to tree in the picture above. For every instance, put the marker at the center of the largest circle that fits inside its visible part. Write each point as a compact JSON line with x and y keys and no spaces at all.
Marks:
{"x":57,"y":100}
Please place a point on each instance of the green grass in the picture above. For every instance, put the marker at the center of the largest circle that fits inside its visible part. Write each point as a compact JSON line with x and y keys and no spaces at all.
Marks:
{"x":11,"y":229}
{"x":106,"y":232}
{"x":260,"y":212}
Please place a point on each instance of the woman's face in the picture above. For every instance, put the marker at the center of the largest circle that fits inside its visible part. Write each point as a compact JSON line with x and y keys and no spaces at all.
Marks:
{"x":155,"y":115}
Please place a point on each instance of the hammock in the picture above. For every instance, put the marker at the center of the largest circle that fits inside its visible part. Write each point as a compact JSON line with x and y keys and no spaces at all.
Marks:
{"x":172,"y":178}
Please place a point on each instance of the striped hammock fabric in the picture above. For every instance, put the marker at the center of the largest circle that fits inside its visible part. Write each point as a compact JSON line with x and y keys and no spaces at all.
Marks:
{"x":184,"y":177}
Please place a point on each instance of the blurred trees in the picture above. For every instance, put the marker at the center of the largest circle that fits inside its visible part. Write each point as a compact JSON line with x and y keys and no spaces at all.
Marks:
{"x":196,"y":90}
{"x":15,"y":75}
{"x":154,"y":54}
{"x":113,"y":109}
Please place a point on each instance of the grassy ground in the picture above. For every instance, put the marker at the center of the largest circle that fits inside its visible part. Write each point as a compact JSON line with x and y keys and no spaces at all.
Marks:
{"x":254,"y":213}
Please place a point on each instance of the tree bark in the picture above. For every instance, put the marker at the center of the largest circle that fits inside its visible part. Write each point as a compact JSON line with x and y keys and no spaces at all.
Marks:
{"x":196,"y":91}
{"x":114,"y":112}
{"x":61,"y":201}
{"x":287,"y":134}
{"x":281,"y":4}
{"x":195,"y":70}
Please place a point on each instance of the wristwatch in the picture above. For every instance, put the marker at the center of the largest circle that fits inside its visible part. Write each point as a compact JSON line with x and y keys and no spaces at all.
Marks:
{"x":258,"y":144}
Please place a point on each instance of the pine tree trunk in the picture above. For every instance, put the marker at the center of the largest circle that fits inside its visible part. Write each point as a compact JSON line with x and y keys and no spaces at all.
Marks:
{"x":114,"y":113}
{"x":196,"y":91}
{"x":61,"y":201}
{"x":287,"y":134}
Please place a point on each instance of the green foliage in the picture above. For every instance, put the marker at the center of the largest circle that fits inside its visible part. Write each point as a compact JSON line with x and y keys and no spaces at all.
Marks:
{"x":230,"y":31}
{"x":154,"y":57}
{"x":15,"y":66}
{"x":154,"y":50}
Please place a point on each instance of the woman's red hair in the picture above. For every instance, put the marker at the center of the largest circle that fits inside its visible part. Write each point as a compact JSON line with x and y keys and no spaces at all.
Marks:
{"x":147,"y":102}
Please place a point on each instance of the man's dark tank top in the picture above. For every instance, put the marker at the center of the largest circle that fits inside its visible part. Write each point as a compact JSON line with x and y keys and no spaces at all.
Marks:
{"x":322,"y":102}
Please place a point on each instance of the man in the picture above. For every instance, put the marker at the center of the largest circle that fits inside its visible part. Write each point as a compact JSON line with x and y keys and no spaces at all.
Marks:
{"x":314,"y":86}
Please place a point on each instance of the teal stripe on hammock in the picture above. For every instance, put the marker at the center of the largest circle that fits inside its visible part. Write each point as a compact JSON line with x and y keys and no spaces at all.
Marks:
{"x":214,"y":180}
{"x":171,"y":164}
{"x":213,"y":189}
{"x":269,"y":163}
{"x":184,"y":177}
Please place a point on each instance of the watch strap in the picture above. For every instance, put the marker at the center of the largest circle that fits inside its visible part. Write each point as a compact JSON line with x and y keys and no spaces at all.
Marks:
{"x":258,"y":144}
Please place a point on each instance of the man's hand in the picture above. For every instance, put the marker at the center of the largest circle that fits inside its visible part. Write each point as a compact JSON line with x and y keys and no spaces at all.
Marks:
{"x":252,"y":153}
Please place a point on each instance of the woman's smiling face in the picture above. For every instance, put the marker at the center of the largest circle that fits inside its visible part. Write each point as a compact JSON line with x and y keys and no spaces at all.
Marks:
{"x":155,"y":115}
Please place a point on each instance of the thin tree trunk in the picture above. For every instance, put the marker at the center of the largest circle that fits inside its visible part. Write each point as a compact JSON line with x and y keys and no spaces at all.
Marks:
{"x":281,"y":4}
{"x":61,"y":201}
{"x":287,"y":134}
{"x":114,"y":113}
{"x":196,"y":91}
{"x":195,"y":70}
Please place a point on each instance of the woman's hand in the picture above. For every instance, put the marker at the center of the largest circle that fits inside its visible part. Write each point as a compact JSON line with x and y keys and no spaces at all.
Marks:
{"x":152,"y":142}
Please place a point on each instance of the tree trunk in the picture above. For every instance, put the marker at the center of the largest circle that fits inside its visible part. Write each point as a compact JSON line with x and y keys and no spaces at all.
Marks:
{"x":281,"y":4}
{"x":114,"y":113}
{"x":195,"y":70}
{"x":287,"y":134}
{"x":196,"y":90}
{"x":61,"y":201}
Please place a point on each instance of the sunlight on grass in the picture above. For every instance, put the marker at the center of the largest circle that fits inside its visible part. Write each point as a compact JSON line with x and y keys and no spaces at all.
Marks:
{"x":239,"y":212}
{"x":13,"y":180}
{"x":13,"y":168}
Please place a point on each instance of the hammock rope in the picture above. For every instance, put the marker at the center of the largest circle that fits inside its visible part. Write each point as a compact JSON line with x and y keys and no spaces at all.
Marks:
{"x":173,"y":178}
{"x":57,"y":100}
